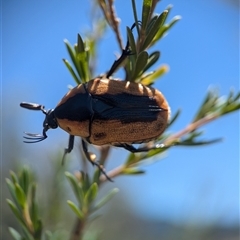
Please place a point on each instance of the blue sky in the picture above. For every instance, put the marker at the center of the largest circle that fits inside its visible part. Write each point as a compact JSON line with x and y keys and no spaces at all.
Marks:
{"x":202,"y":51}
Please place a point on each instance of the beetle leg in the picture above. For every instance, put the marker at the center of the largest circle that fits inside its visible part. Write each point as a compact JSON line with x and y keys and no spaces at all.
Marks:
{"x":132,"y":149}
{"x":117,"y":63}
{"x":69,"y":148}
{"x":125,"y":53}
{"x":88,"y":156}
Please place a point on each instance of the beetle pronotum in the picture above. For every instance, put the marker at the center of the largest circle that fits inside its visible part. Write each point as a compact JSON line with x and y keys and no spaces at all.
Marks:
{"x":104,"y":111}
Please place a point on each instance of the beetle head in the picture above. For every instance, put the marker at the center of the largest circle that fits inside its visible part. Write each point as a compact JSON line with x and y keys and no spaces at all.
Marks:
{"x":49,"y":122}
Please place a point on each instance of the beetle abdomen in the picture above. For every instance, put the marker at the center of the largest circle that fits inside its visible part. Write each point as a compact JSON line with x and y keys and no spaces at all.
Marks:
{"x":126,"y":112}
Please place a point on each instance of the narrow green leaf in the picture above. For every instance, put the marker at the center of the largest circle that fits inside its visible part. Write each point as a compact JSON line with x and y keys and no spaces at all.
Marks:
{"x":207,"y":106}
{"x":105,"y":199}
{"x":231,"y":104}
{"x":14,"y":234}
{"x":24,"y":179}
{"x":150,"y":24}
{"x":165,"y":28}
{"x":14,"y":177}
{"x":81,"y":57}
{"x":86,"y":183}
{"x":96,"y":176}
{"x":83,"y":66}
{"x":69,"y":67}
{"x":80,"y":44}
{"x":11,"y":189}
{"x":75,"y":186}
{"x":15,"y":210}
{"x":237,"y":97}
{"x":91,"y":194}
{"x":198,"y":143}
{"x":146,"y":12}
{"x":154,"y":29}
{"x":33,"y":207}
{"x":70,"y":52}
{"x":153,"y":58}
{"x":132,"y":171}
{"x":38,"y":228}
{"x":141,"y":63}
{"x":76,"y":210}
{"x":21,"y":197}
{"x":150,"y":79}
{"x":20,"y":219}
{"x":72,"y":55}
{"x":132,"y":42}
{"x":231,"y":108}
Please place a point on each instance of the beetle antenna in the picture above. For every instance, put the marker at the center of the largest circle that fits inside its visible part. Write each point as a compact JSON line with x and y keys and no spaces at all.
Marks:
{"x":33,"y":106}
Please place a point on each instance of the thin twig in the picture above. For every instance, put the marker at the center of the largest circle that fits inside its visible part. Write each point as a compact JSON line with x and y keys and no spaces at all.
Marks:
{"x":115,"y":23}
{"x":112,"y":19}
{"x":191,"y":127}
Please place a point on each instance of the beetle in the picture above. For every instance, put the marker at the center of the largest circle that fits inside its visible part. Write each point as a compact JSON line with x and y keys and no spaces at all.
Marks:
{"x":107,"y":111}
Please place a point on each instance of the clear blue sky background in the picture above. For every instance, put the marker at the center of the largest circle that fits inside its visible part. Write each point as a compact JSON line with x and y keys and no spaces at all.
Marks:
{"x":202,"y":50}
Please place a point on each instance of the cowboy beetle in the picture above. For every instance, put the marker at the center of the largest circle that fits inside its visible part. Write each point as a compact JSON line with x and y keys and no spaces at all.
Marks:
{"x":107,"y":111}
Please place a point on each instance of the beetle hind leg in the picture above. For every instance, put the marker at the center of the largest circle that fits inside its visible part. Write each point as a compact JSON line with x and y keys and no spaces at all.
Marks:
{"x":132,"y":149}
{"x":91,"y":160}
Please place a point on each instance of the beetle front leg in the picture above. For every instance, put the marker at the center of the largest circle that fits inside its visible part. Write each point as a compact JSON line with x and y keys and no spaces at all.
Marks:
{"x":89,"y":158}
{"x":125,"y":53}
{"x":117,"y":63}
{"x":69,"y":148}
{"x":132,"y":149}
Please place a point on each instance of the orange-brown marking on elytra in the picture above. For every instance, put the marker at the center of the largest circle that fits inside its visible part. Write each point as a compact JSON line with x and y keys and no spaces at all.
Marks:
{"x":74,"y":127}
{"x":135,"y":132}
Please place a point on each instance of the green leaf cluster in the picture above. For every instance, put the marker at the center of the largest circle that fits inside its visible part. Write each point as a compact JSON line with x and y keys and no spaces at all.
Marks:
{"x":86,"y":192}
{"x":79,"y":55}
{"x":150,"y":29}
{"x":24,"y":206}
{"x":214,"y":105}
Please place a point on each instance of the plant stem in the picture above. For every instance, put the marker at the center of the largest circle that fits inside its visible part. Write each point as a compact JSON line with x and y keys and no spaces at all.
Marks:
{"x":77,"y":232}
